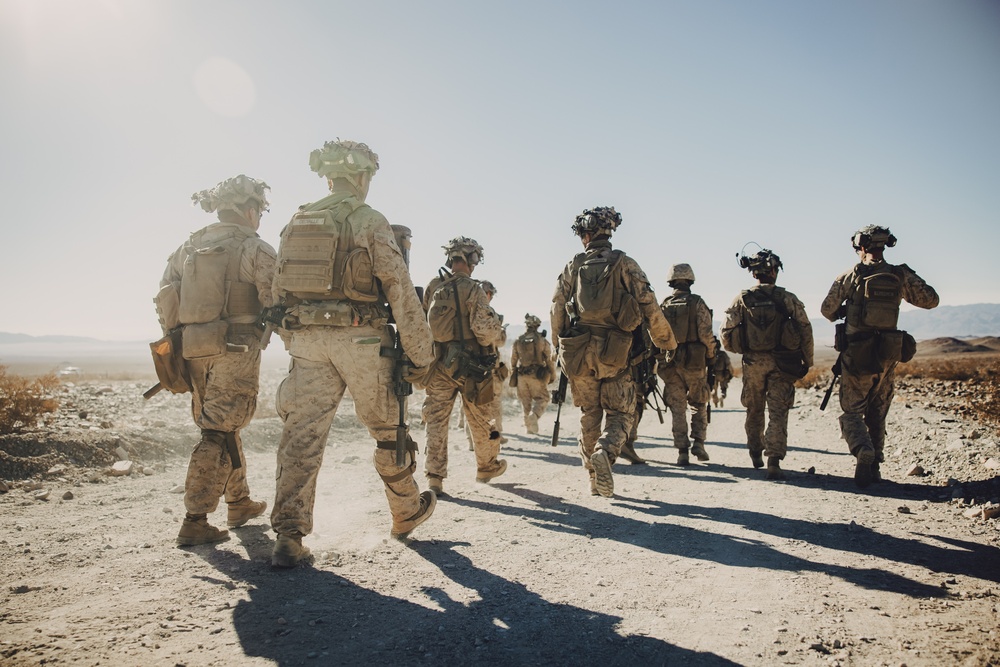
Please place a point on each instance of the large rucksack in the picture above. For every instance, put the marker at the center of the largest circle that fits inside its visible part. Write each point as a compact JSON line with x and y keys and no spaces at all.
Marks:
{"x":599,"y":294}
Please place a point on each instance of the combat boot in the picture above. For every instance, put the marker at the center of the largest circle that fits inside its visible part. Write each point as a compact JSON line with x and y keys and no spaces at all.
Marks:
{"x":487,"y":475}
{"x":436,"y":484}
{"x":629,"y":454}
{"x":757,"y":459}
{"x":603,"y":480}
{"x":863,"y":475}
{"x":243,"y":510}
{"x":682,"y":457}
{"x":774,"y":468}
{"x":196,"y":530}
{"x":402,"y":529}
{"x":876,"y":473}
{"x":531,"y":423}
{"x":593,"y":484}
{"x":698,"y":449}
{"x":289,"y":551}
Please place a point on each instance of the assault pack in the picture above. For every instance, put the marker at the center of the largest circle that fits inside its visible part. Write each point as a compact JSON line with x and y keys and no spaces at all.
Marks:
{"x":600,"y":296}
{"x":530,"y":349}
{"x":681,"y":311}
{"x":767,"y":325}
{"x":874,"y":300}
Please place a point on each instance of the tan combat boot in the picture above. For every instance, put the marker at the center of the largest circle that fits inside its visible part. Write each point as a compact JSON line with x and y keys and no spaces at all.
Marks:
{"x":629,"y":454}
{"x":243,"y":510}
{"x":531,"y":423}
{"x":289,"y":551}
{"x":774,"y":468}
{"x":682,"y":457}
{"x":436,"y":484}
{"x":603,"y":479}
{"x":593,"y":484}
{"x":487,"y":475}
{"x":402,"y":529}
{"x":863,"y":474}
{"x":196,"y":530}
{"x":698,"y":449}
{"x":757,"y":459}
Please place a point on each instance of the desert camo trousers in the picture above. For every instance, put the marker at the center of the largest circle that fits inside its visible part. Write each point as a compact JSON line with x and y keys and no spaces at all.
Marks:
{"x":611,"y":401}
{"x":683,"y":388}
{"x":495,"y":411}
{"x":533,"y":394}
{"x":765,"y":386}
{"x":326,"y":361}
{"x":442,"y":391}
{"x":865,"y":400}
{"x":223,"y":400}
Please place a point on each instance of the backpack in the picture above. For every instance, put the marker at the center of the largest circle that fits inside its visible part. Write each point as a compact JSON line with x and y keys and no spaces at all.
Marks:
{"x":681,"y":311}
{"x":210,"y":288}
{"x":761,"y":327}
{"x":599,"y":296}
{"x":530,"y":349}
{"x":874,"y":301}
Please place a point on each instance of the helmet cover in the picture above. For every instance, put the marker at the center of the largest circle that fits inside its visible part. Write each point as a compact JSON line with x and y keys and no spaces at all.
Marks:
{"x":343,"y":158}
{"x":233,"y":194}
{"x":600,"y":220}
{"x":680,"y":272}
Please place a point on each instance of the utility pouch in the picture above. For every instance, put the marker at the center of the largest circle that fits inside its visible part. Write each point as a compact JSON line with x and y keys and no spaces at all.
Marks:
{"x":513,"y":378}
{"x":840,"y":336}
{"x":169,"y":364}
{"x":168,"y":304}
{"x":204,"y":341}
{"x":573,"y":353}
{"x":909,"y":347}
{"x":480,"y":392}
{"x":862,"y":356}
{"x":890,"y":346}
{"x":791,"y":362}
{"x":359,"y":278}
{"x":629,"y":316}
{"x":203,"y":285}
{"x":326,"y":313}
{"x":791,"y":336}
{"x":542,"y":373}
{"x":503,"y":371}
{"x":614,"y":353}
{"x":691,"y":356}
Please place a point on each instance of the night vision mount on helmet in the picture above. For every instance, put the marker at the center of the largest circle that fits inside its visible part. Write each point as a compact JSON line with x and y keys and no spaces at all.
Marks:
{"x":873,"y":236}
{"x":763,"y":261}
{"x":600,"y":220}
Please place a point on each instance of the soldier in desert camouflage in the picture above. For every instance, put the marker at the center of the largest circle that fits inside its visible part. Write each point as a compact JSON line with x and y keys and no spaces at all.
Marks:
{"x":224,"y":380}
{"x":684,"y":371}
{"x":601,"y":296}
{"x":868,"y":298}
{"x":723,"y":370}
{"x":500,"y":373}
{"x":466,"y":333}
{"x":338,"y":319}
{"x":768,"y":325}
{"x":533,"y":369}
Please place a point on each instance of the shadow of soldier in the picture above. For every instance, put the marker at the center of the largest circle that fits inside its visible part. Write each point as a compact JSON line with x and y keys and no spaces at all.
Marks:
{"x":306,"y":613}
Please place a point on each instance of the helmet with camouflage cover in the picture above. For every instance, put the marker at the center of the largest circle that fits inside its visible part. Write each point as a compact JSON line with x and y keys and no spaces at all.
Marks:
{"x":600,"y":220}
{"x":873,"y":237}
{"x":233,"y":194}
{"x":343,"y":158}
{"x":680,"y":272}
{"x":761,"y":262}
{"x":488,"y":287}
{"x":464,"y":248}
{"x":532,"y":321}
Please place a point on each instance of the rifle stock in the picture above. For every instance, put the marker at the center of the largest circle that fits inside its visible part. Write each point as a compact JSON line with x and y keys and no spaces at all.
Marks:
{"x":153,"y":391}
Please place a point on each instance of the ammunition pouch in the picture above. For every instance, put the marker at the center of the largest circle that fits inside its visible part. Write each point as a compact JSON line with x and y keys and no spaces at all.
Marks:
{"x":573,"y":352}
{"x":690,"y":356}
{"x":614,"y":354}
{"x":204,"y":341}
{"x":870,"y":352}
{"x":168,"y":362}
{"x":502,"y":371}
{"x":840,"y":337}
{"x":791,"y":362}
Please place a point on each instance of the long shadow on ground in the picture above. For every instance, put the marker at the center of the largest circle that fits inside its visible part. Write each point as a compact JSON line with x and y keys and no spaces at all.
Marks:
{"x":333,"y":620}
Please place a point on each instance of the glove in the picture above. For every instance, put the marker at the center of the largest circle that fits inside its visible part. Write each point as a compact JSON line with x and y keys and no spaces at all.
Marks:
{"x":419,"y":376}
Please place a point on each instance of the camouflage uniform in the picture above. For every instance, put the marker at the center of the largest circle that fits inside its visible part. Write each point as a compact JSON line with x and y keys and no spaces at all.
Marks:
{"x":866,"y":390}
{"x":685,"y":373}
{"x":723,"y":368}
{"x":531,"y":359}
{"x":482,"y":331}
{"x":763,"y":384}
{"x":329,"y":359}
{"x":600,"y":380}
{"x":224,"y":388}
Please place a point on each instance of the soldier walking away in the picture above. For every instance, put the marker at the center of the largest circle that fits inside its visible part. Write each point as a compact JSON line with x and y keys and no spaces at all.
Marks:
{"x":723,"y":368}
{"x":466,"y":333}
{"x":343,"y":277}
{"x":768,"y":325}
{"x":642,"y":362}
{"x":684,"y":371}
{"x":533,"y":371}
{"x":500,"y":374}
{"x":870,"y":345}
{"x":601,"y":296}
{"x":214,"y":288}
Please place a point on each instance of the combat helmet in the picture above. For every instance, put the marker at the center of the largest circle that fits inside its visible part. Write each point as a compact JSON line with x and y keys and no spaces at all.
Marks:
{"x":761,"y":262}
{"x":488,"y":287}
{"x":595,"y":221}
{"x":343,"y":158}
{"x":680,"y":272}
{"x":233,"y":194}
{"x":463,"y":248}
{"x":532,"y":321}
{"x":873,"y":237}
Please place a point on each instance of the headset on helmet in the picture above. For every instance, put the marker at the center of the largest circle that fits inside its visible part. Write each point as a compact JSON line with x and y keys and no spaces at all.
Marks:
{"x":873,"y":236}
{"x":233,"y":194}
{"x":600,"y":220}
{"x":464,"y":248}
{"x":763,"y":261}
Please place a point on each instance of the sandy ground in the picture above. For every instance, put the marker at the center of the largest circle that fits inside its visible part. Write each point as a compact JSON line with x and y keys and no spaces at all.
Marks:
{"x":704,"y":565}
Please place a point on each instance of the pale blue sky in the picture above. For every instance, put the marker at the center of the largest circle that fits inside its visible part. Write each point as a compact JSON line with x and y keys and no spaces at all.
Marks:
{"x":706,"y":124}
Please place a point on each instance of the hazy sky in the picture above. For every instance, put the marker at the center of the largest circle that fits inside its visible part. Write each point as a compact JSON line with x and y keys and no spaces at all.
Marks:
{"x":707,"y":124}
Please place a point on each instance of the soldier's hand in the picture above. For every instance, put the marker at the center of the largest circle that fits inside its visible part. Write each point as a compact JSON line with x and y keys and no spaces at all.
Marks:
{"x":419,"y":376}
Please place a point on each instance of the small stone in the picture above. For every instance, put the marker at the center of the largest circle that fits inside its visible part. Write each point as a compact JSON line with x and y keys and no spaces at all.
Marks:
{"x":82,"y":414}
{"x":56,"y":470}
{"x":956,"y":445}
{"x":852,"y":526}
{"x":281,"y":621}
{"x":159,"y":423}
{"x":903,"y":509}
{"x":41,"y":494}
{"x":3,"y":487}
{"x":973,"y":434}
{"x":973,"y":513}
{"x":991,"y":512}
{"x":992,"y":464}
{"x":68,"y":495}
{"x":167,"y":510}
{"x":915,"y":470}
{"x":121,"y":453}
{"x":121,"y":468}
{"x":812,"y":470}
{"x":177,"y":489}
{"x":838,"y":644}
{"x":105,"y":390}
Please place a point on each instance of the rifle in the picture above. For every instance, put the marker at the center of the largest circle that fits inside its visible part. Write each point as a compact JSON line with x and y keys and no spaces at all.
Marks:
{"x":643,"y":363}
{"x":270,"y":318}
{"x":710,"y":378}
{"x":400,"y":389}
{"x":559,"y":397}
{"x":836,"y":374}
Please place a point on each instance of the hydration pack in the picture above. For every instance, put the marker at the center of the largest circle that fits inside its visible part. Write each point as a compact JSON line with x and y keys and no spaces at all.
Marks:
{"x":874,"y":302}
{"x":210,"y":288}
{"x":531,"y":349}
{"x":600,"y":297}
{"x":767,"y":325}
{"x":681,"y":311}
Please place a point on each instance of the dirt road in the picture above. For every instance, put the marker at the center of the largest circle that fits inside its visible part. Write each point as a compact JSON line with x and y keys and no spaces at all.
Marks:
{"x":704,"y":565}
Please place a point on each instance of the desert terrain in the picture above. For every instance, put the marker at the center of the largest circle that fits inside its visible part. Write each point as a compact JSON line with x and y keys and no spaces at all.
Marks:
{"x":704,"y":565}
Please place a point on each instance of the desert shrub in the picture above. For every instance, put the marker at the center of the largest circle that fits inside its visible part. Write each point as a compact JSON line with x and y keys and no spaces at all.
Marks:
{"x":23,"y":401}
{"x":981,"y":373}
